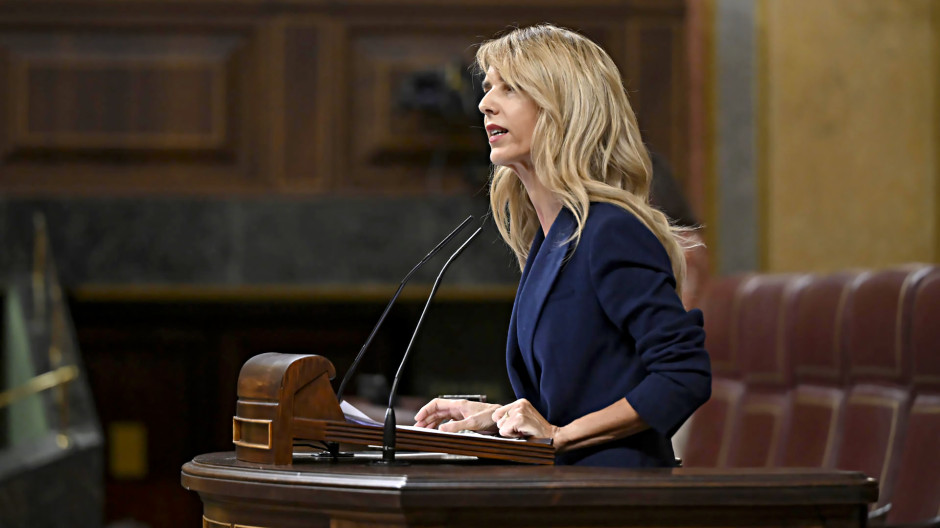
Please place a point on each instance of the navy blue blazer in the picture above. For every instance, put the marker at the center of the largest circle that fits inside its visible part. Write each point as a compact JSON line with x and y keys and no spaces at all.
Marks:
{"x":599,"y":322}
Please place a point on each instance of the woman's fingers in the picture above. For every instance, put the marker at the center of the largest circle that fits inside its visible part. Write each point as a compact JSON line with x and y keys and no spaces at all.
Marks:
{"x":457,"y":426}
{"x":480,"y":421}
{"x":436,"y":411}
{"x":521,"y":419}
{"x":467,"y":415}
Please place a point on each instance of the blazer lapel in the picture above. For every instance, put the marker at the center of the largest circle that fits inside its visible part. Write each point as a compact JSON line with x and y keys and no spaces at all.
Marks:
{"x":542,"y":277}
{"x":514,"y":361}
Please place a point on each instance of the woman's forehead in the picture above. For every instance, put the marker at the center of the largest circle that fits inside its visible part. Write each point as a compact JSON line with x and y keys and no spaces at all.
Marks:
{"x":491,"y":77}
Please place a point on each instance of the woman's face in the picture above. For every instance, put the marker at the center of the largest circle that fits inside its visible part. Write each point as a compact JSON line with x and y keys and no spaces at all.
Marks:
{"x":509,"y":117}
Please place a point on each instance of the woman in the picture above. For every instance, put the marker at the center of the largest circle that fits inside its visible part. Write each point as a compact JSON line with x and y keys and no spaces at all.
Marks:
{"x":601,"y":354}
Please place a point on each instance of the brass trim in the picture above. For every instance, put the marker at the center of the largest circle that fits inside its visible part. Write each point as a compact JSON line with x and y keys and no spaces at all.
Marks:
{"x":237,"y":430}
{"x":209,"y":523}
{"x":212,"y":523}
{"x":42,"y":382}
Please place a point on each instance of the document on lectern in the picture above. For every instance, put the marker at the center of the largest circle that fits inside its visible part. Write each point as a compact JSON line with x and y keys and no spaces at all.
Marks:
{"x":356,"y":416}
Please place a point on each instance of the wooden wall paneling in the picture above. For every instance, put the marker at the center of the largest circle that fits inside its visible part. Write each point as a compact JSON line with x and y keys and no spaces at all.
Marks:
{"x":657,"y":83}
{"x":157,"y":107}
{"x":308,"y":94}
{"x":391,"y":148}
{"x":6,"y":107}
{"x":338,"y":95}
{"x":264,"y":106}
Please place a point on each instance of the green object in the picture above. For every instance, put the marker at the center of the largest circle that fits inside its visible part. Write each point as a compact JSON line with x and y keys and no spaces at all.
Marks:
{"x":27,"y":416}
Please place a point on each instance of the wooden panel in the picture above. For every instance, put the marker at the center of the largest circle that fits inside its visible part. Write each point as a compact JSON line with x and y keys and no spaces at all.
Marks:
{"x":118,"y":103}
{"x":656,"y":80}
{"x":298,"y":96}
{"x":306,"y":130}
{"x":389,"y":145}
{"x":126,"y":109}
{"x":118,"y":92}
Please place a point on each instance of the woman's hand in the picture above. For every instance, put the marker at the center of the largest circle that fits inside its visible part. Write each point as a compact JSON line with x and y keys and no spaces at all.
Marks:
{"x":465,"y":415}
{"x":520,"y":419}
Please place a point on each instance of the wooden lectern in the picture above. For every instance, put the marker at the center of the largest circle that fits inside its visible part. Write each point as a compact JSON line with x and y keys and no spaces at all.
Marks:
{"x":287,"y":398}
{"x":447,"y":494}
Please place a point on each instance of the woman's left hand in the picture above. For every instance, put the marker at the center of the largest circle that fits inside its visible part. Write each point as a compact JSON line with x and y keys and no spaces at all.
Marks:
{"x":520,"y":419}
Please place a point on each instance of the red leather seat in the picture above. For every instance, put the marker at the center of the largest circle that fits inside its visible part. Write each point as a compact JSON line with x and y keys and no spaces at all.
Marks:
{"x":761,"y":423}
{"x":709,"y":429}
{"x":813,"y":340}
{"x":924,"y":332}
{"x":877,"y":406}
{"x":916,"y":495}
{"x":721,"y":305}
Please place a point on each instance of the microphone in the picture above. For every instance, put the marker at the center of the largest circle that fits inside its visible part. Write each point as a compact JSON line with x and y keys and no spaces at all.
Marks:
{"x":388,"y":433}
{"x":388,"y":307}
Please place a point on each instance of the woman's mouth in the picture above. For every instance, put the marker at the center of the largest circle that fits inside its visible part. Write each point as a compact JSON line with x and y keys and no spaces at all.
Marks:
{"x":495,"y":132}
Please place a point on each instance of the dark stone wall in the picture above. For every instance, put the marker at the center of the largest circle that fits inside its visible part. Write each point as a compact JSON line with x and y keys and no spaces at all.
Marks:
{"x":312,"y":241}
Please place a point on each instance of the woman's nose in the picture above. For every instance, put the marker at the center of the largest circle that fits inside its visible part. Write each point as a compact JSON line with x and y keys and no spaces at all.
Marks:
{"x":486,"y":106}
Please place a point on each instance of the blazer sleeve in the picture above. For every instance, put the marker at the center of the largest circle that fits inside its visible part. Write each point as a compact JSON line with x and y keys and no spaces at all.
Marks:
{"x":632,"y":277}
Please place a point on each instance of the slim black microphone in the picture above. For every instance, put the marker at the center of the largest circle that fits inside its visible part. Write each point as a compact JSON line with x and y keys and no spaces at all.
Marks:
{"x":388,"y":433}
{"x":349,"y":372}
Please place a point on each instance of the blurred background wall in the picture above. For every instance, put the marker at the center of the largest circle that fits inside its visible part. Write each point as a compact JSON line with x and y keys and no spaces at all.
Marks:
{"x":826,"y":142}
{"x":221,"y":179}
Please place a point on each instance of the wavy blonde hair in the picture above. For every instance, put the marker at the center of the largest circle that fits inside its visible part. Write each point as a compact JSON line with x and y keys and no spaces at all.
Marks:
{"x":586,"y":144}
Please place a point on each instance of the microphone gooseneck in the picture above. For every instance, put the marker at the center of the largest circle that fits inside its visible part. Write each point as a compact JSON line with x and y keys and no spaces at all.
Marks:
{"x":388,"y":307}
{"x":388,"y":432}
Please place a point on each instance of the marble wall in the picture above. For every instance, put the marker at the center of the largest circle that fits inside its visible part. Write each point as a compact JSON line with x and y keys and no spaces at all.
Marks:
{"x":826,"y":138}
{"x":235,"y":242}
{"x":849,"y":154}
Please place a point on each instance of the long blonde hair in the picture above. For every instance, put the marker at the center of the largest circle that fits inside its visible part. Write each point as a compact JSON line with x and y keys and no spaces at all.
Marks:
{"x":586,"y":144}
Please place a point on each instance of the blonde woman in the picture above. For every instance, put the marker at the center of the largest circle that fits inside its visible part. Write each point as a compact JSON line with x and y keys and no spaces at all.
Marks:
{"x":602,"y":355}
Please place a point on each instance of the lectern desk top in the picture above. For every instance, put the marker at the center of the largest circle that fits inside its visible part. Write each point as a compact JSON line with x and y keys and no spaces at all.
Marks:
{"x":285,"y":399}
{"x":354,"y":493}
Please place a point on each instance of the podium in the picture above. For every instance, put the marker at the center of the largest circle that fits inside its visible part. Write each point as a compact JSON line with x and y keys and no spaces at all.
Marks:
{"x":283,"y":399}
{"x":472,"y":494}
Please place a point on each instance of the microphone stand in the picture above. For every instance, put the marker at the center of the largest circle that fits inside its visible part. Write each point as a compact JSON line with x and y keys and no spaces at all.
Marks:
{"x":388,"y":432}
{"x":333,"y":447}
